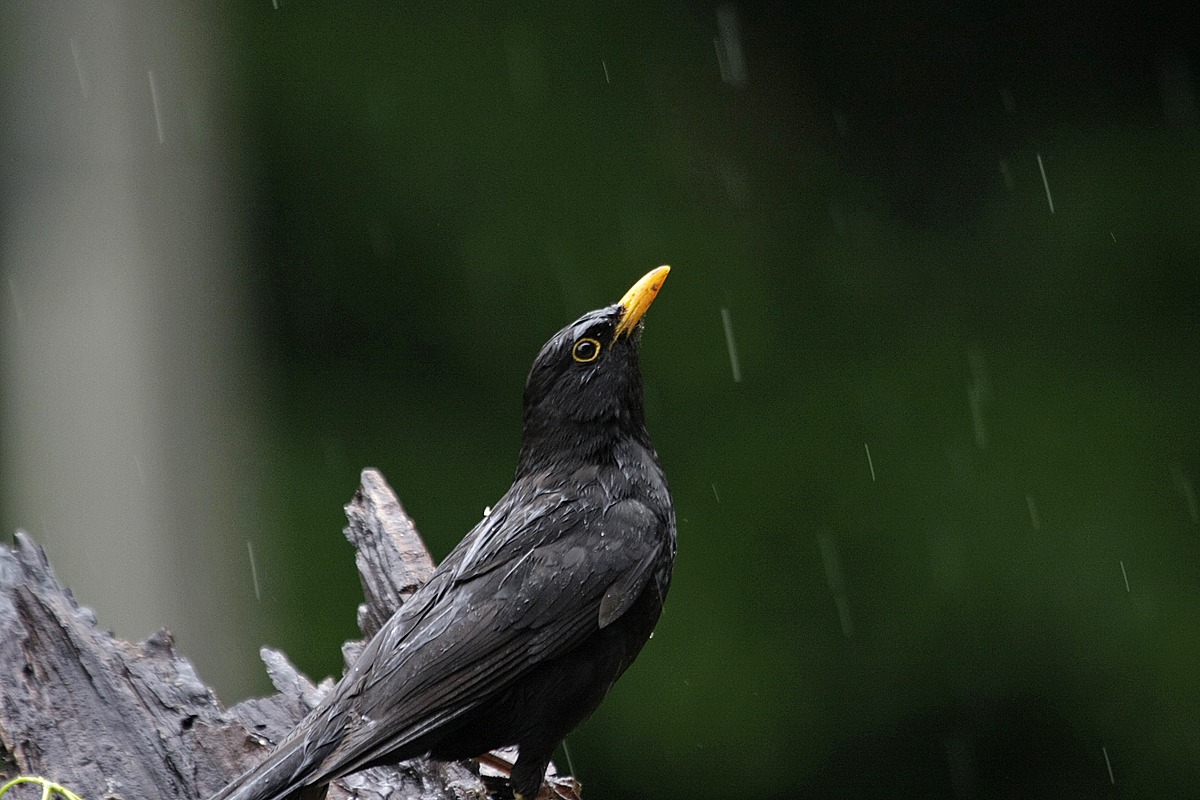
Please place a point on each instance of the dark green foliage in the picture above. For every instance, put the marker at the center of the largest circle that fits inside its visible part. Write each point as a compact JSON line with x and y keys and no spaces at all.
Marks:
{"x":442,"y":187}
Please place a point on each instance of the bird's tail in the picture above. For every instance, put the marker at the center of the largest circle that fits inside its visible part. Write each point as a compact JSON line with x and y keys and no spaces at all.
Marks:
{"x":280,"y":776}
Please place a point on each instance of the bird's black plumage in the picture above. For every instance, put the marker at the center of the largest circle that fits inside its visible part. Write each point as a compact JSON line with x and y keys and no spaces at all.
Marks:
{"x":522,"y":630}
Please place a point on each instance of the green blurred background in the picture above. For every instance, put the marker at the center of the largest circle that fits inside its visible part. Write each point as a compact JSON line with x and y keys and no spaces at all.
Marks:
{"x":937,"y":516}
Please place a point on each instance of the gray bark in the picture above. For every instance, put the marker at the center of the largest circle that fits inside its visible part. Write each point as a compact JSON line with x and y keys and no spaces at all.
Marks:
{"x":110,"y":719}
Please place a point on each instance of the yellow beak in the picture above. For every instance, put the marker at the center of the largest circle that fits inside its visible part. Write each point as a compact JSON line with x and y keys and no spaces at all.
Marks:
{"x":638,"y":299}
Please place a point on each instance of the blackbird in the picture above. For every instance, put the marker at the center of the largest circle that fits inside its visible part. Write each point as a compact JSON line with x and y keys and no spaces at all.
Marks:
{"x":526,"y":625}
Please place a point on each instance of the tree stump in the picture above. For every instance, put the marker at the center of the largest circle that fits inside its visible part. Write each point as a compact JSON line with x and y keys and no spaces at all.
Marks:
{"x":111,"y":719}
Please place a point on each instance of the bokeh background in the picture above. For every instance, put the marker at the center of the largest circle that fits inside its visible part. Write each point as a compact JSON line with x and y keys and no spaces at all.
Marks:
{"x":924,"y":377}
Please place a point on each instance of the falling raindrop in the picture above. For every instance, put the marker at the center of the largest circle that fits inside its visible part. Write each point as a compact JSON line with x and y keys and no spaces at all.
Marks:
{"x":979,"y":394}
{"x":870,"y":463}
{"x":732,"y":345}
{"x":79,"y":73}
{"x":604,"y":64}
{"x":1108,"y":764}
{"x":1045,"y":182}
{"x":567,"y":753}
{"x":158,"y":122}
{"x":960,"y":758}
{"x":1006,"y":173}
{"x":1183,"y":484}
{"x":836,"y":581}
{"x":1006,"y":97}
{"x":728,"y":44}
{"x":841,"y":121}
{"x":1033,"y":513}
{"x":1125,"y":576}
{"x":253,"y":569}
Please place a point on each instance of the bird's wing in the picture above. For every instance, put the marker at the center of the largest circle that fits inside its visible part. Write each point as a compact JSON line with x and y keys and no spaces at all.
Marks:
{"x":520,"y":589}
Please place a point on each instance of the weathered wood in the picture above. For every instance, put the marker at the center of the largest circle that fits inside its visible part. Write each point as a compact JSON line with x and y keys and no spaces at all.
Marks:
{"x":390,"y":555}
{"x":111,"y":719}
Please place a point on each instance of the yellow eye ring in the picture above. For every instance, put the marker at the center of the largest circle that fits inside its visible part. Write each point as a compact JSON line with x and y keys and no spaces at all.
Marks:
{"x":586,"y":350}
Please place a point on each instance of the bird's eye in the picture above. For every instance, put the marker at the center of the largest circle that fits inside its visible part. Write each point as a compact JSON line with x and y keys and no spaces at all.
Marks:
{"x":586,"y":350}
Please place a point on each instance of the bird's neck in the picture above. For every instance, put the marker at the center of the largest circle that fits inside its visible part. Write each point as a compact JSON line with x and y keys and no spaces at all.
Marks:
{"x":566,"y":446}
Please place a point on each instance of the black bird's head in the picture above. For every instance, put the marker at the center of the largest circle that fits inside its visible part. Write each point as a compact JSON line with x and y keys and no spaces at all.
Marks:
{"x":585,"y":388}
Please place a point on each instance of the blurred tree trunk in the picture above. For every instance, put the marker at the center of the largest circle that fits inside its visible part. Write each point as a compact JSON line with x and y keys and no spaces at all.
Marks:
{"x":130,"y":442}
